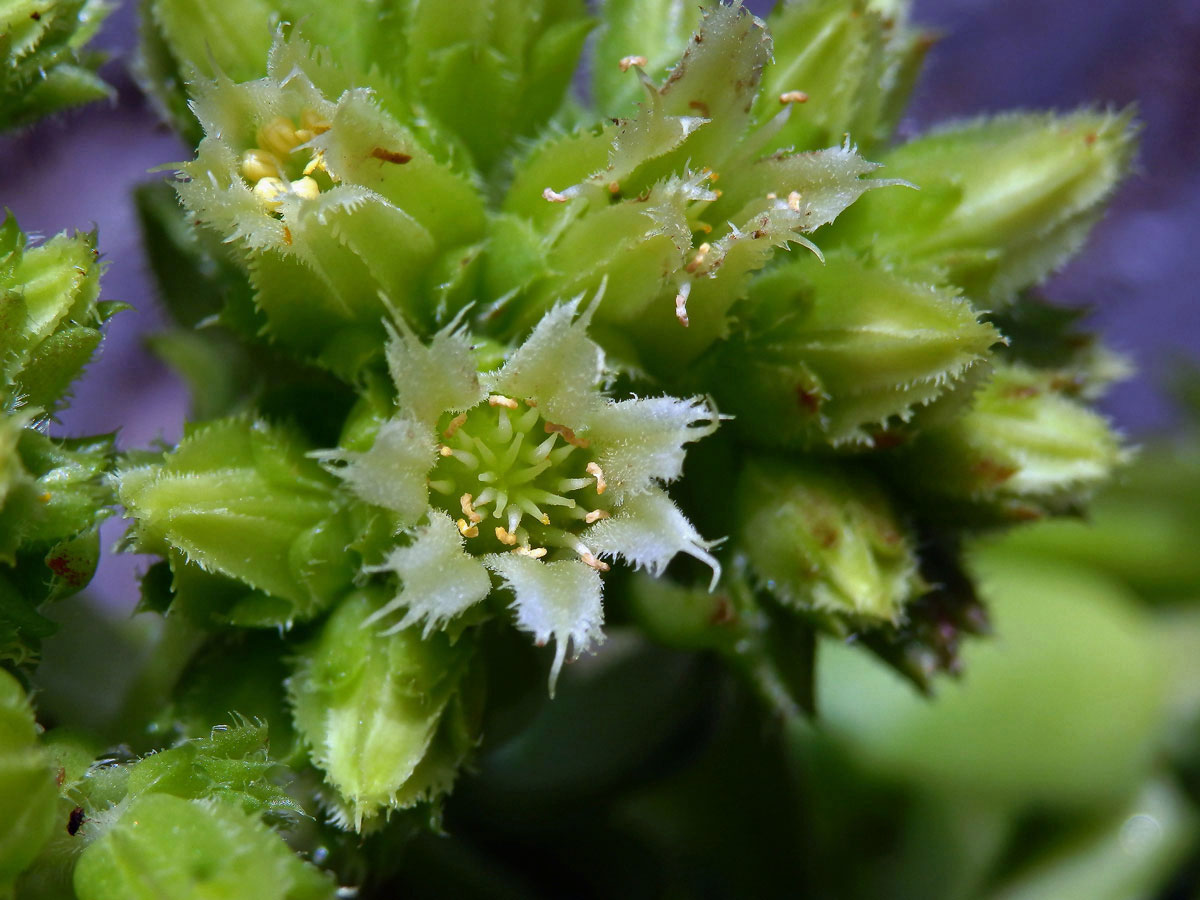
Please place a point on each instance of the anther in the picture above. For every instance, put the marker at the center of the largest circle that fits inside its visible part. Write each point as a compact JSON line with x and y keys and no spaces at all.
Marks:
{"x":598,"y":564}
{"x":793,"y":97}
{"x":278,"y":136}
{"x":500,"y":400}
{"x":468,"y":510}
{"x":443,"y":450}
{"x":306,"y":188}
{"x":466,"y":530}
{"x":595,"y":516}
{"x":567,"y":434}
{"x":698,"y":260}
{"x":534,"y":552}
{"x":554,"y":196}
{"x":595,"y":471}
{"x":505,"y":537}
{"x":456,"y":423}
{"x":258,"y":164}
{"x":628,"y":62}
{"x":793,"y":201}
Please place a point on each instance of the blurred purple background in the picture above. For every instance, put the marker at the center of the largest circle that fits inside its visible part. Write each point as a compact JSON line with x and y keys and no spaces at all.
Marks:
{"x":1140,"y":272}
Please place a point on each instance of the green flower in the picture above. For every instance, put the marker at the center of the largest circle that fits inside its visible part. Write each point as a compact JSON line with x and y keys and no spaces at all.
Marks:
{"x":528,"y":473}
{"x":336,"y":209}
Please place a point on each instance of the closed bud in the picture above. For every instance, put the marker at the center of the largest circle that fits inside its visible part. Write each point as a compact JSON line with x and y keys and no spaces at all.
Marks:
{"x":836,"y":353}
{"x":238,"y":498}
{"x":1003,"y":201}
{"x":825,"y":538}
{"x":49,"y":318}
{"x":842,"y":67}
{"x":379,"y":712}
{"x":43,"y":68}
{"x":1025,"y":449}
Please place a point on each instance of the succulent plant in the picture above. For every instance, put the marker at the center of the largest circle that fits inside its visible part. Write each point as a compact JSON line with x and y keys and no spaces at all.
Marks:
{"x":495,"y":345}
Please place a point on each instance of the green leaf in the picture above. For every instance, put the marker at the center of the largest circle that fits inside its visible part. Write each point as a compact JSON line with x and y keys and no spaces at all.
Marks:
{"x":165,"y":845}
{"x":27,"y":789}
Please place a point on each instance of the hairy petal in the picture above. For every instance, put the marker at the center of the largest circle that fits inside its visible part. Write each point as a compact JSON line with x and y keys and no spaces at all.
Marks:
{"x":647,"y":531}
{"x":559,"y":600}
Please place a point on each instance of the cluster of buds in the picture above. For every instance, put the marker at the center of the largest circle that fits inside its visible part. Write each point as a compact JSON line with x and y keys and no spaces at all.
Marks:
{"x":494,"y":447}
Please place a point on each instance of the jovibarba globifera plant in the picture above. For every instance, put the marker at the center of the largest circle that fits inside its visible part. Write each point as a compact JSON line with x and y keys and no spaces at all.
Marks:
{"x":711,"y":357}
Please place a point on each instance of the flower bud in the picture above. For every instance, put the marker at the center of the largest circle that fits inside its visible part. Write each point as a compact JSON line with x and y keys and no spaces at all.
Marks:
{"x":1024,"y":450}
{"x":49,"y":318}
{"x":162,"y":845}
{"x":842,"y":67}
{"x":1003,"y":201}
{"x":43,"y":68}
{"x":838,"y":352}
{"x":820,"y":537}
{"x":376,"y":711}
{"x":240,"y":499}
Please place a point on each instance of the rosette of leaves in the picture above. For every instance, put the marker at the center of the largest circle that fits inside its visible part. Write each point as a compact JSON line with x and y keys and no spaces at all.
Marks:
{"x":46,"y":66}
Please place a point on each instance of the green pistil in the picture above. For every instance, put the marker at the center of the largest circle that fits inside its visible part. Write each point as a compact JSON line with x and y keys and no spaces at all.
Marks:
{"x":516,"y":483}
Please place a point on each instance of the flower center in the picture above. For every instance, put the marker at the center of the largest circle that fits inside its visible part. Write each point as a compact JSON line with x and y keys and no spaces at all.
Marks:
{"x":275,"y":170}
{"x":516,"y":482}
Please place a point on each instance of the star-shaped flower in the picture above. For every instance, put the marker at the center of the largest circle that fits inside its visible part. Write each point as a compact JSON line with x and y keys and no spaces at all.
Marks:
{"x":529,"y":474}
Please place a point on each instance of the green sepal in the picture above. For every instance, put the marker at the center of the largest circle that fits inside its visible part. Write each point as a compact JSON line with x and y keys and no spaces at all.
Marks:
{"x":836,"y":352}
{"x":822,"y":537}
{"x":1003,"y":201}
{"x":1024,"y":450}
{"x":373,"y":710}
{"x":191,"y":849}
{"x":27,"y":791}
{"x":239,"y":498}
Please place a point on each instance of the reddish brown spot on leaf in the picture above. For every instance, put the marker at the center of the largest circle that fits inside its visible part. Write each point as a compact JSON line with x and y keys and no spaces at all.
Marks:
{"x":391,"y":156}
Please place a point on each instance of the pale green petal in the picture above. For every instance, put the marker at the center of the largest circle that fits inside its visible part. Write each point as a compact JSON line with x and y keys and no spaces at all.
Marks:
{"x":559,"y":600}
{"x":558,"y":367}
{"x":640,"y":442}
{"x":432,"y":378}
{"x":647,"y":531}
{"x":392,"y":473}
{"x":439,"y":579}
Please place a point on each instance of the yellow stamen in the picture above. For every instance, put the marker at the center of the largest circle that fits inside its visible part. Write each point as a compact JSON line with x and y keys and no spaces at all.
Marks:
{"x":793,"y":201}
{"x":269,"y":192}
{"x":793,"y":97}
{"x":595,"y":471}
{"x":499,"y":400}
{"x":306,"y":188}
{"x":681,"y":300}
{"x":598,"y":564}
{"x":534,"y":552}
{"x":278,"y":136}
{"x":456,"y":423}
{"x":628,"y":62}
{"x":567,"y":435}
{"x":443,"y":450}
{"x":595,"y":516}
{"x":505,"y":537}
{"x":468,"y":510}
{"x":698,"y":259}
{"x":466,"y":530}
{"x":258,"y":164}
{"x":317,"y":162}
